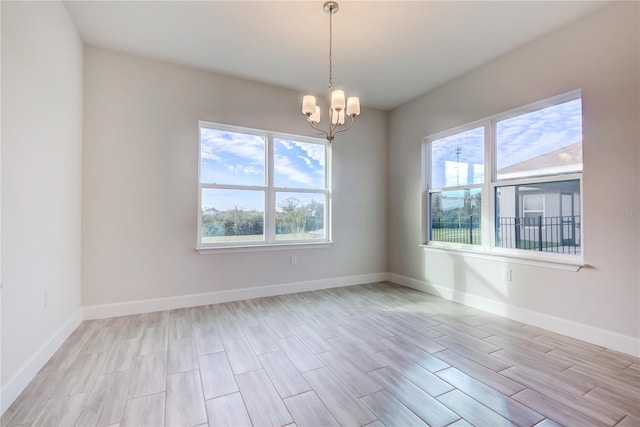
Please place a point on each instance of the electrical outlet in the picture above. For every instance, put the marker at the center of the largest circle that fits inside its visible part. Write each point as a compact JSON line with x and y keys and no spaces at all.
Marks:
{"x":506,"y":274}
{"x":294,"y":260}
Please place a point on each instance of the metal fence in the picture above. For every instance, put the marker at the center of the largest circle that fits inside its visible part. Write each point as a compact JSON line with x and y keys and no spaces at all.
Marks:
{"x":558,"y":234}
{"x":457,"y":230}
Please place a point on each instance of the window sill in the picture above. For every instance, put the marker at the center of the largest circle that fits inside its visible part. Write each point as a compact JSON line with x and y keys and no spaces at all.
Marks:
{"x":205,"y":250}
{"x":558,"y":262}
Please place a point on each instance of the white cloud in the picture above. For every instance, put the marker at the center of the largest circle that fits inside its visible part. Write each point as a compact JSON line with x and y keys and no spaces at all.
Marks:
{"x":287,"y":168}
{"x":250,"y":170}
{"x":286,"y":144}
{"x":232,"y":157}
{"x":303,"y":166}
{"x":306,"y":161}
{"x":239,"y":155}
{"x":249,"y":147}
{"x":313,"y":151}
{"x":206,"y":152}
{"x":532,"y":134}
{"x":242,"y":169}
{"x":519,"y":138}
{"x":471,"y":144}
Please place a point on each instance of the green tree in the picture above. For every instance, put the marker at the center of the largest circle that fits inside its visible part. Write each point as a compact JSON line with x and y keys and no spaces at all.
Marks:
{"x":293,"y":214}
{"x":234,"y":222}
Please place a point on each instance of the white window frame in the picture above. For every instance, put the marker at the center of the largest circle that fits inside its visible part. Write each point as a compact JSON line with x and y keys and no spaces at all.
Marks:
{"x":488,"y":248}
{"x":270,"y":190}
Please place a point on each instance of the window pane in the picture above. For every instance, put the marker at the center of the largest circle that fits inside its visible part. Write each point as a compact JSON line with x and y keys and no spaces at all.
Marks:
{"x":231,"y":158}
{"x":299,"y":164}
{"x":232,"y":215}
{"x":300,"y":216}
{"x":455,"y":216}
{"x":543,"y":142}
{"x":458,"y":159}
{"x":539,"y":217}
{"x":533,"y":202}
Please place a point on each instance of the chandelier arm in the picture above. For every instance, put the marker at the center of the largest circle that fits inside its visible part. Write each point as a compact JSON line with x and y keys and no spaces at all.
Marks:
{"x":333,"y":128}
{"x":318,"y":130}
{"x":346,"y":129}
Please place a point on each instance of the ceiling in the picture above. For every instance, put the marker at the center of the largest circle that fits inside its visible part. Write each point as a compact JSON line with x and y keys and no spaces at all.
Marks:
{"x":386,"y":52}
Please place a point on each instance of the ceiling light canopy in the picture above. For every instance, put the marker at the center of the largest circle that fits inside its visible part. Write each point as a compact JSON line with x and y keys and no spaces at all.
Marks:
{"x":340,"y":107}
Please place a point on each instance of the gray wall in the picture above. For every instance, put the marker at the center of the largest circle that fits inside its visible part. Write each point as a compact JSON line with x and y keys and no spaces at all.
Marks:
{"x":600,"y":55}
{"x":140,"y":183}
{"x":41,"y":185}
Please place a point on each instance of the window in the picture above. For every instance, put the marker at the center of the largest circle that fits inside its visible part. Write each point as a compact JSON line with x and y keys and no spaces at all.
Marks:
{"x":543,"y":216}
{"x":260,"y":188}
{"x":455,"y":196}
{"x":533,"y":157}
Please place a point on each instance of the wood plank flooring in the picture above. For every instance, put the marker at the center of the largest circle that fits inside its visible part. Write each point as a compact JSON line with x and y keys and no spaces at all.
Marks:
{"x":375,"y":355}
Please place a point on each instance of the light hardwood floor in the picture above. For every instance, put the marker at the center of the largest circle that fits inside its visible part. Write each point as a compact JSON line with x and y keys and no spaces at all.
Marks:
{"x":376,"y":355}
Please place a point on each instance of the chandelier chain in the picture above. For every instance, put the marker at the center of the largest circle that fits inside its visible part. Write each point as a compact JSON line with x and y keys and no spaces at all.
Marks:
{"x":330,"y":49}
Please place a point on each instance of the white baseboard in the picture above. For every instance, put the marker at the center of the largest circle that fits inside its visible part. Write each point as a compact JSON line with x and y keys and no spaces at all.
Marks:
{"x":12,"y":389}
{"x":182,"y":301}
{"x":612,"y":340}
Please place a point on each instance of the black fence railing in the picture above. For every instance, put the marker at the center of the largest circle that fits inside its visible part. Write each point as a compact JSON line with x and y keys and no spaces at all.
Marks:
{"x":465,"y":229}
{"x":558,"y":234}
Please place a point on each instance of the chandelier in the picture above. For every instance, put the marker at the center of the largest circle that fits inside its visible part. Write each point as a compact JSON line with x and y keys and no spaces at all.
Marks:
{"x":339,"y":109}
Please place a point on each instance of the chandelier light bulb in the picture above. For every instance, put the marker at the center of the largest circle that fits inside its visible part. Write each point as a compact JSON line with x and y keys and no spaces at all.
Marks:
{"x":315,"y":117}
{"x":308,"y":105}
{"x":337,"y":117}
{"x":337,"y":100}
{"x":353,"y":106}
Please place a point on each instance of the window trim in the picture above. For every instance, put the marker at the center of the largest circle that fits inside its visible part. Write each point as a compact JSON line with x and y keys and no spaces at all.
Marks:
{"x":488,"y":247}
{"x":270,"y":191}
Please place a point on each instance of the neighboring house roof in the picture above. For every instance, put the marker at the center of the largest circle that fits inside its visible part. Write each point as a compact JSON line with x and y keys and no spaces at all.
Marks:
{"x":563,"y":160}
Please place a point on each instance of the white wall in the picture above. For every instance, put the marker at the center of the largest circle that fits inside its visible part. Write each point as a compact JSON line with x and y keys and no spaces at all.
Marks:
{"x":140,"y":183}
{"x":41,"y":186}
{"x":600,"y":55}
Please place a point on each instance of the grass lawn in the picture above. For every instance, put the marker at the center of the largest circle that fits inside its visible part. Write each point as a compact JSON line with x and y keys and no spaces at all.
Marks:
{"x":461,"y":235}
{"x":534,"y":244}
{"x":456,"y":235}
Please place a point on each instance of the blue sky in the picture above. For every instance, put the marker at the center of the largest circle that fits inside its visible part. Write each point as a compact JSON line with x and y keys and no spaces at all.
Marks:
{"x":228,"y":199}
{"x":235,"y":158}
{"x":518,"y":138}
{"x":461,"y":149}
{"x":299,"y":164}
{"x":231,"y":158}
